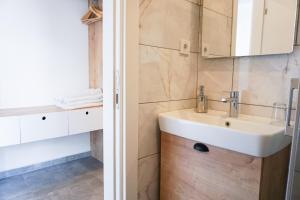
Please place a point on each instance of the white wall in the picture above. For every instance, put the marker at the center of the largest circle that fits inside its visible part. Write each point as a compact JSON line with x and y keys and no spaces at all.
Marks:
{"x":43,"y":54}
{"x":23,"y":155}
{"x":44,"y":51}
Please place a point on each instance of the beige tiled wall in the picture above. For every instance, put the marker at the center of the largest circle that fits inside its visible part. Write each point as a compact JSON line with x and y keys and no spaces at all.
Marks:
{"x":261,"y":80}
{"x":168,"y":80}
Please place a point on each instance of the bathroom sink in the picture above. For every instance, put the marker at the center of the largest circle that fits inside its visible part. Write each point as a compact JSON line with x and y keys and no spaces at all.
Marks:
{"x":250,"y":135}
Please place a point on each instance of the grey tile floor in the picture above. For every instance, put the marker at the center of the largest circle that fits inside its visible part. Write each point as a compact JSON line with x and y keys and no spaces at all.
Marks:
{"x":77,"y":180}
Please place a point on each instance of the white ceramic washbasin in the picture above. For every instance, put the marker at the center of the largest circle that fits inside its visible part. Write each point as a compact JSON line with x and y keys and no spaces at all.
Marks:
{"x":250,"y":135}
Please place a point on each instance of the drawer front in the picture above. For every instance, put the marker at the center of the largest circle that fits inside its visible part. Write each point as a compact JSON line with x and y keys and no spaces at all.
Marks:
{"x":9,"y":131}
{"x":192,"y":174}
{"x":43,"y":126}
{"x":85,"y":120}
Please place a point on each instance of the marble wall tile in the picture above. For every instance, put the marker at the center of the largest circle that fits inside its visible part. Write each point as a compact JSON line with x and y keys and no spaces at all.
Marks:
{"x":216,"y":34}
{"x":218,"y":105}
{"x":148,"y":178}
{"x":164,"y":23}
{"x":199,"y":2}
{"x":216,"y":76}
{"x":263,"y":80}
{"x":200,"y":31}
{"x":166,"y":75}
{"x":293,"y":70}
{"x":261,"y":111}
{"x":183,"y":104}
{"x":153,"y":17}
{"x":154,"y":74}
{"x":183,"y":76}
{"x":168,"y":80}
{"x":149,"y":132}
{"x":221,"y":6}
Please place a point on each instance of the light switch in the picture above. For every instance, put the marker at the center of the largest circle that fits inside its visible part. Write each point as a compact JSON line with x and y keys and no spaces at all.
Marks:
{"x":185,"y":47}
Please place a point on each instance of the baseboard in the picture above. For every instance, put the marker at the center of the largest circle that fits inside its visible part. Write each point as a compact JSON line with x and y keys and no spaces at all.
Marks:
{"x":42,"y":165}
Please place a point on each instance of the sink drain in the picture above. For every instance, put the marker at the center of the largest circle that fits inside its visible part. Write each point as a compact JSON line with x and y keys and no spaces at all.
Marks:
{"x":227,"y":124}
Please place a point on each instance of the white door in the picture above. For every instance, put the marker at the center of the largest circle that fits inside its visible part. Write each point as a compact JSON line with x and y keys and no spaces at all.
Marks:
{"x":120,"y":88}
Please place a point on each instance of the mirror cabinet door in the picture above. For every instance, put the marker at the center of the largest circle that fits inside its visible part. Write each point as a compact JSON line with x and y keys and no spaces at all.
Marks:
{"x":248,"y":27}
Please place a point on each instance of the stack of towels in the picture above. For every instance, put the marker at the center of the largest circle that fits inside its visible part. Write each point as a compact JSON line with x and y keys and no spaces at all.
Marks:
{"x":88,"y":98}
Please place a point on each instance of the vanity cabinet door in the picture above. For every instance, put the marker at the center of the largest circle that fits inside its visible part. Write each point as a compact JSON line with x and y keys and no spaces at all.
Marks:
{"x":43,"y":126}
{"x":85,"y":120}
{"x":191,"y":171}
{"x":9,"y":131}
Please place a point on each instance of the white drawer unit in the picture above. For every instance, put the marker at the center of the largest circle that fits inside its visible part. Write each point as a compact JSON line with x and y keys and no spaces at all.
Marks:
{"x":9,"y":131}
{"x":85,"y":120}
{"x":43,"y":126}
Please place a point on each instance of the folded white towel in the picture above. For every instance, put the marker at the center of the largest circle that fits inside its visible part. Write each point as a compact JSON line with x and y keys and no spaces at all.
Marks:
{"x":90,"y":96}
{"x":67,"y":100}
{"x":85,"y":95}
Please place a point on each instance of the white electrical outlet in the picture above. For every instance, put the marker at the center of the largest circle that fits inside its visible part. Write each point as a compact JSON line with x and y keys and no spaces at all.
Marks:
{"x":185,"y":47}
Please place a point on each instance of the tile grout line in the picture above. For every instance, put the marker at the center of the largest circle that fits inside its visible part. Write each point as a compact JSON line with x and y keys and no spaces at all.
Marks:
{"x":166,"y":48}
{"x":198,"y":55}
{"x":224,"y":15}
{"x":232,"y":75}
{"x":171,"y":100}
{"x":247,"y":104}
{"x":194,"y":3}
{"x":149,"y":155}
{"x":194,"y":52}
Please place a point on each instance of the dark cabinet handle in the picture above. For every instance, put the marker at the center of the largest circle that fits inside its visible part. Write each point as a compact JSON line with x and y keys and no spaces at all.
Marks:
{"x":201,"y":147}
{"x":86,"y":112}
{"x":44,"y":118}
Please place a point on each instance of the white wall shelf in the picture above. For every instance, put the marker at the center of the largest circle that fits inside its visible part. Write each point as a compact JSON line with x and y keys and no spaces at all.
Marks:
{"x":19,"y":126}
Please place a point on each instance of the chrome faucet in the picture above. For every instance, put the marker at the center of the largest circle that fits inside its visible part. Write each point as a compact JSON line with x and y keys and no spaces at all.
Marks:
{"x":202,"y":101}
{"x":234,"y":103}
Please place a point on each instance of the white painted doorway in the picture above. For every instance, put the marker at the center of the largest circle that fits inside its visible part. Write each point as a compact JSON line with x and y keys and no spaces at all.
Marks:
{"x":120,"y":84}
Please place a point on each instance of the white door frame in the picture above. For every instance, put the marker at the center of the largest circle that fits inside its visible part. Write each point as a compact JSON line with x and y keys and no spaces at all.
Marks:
{"x":120,"y":84}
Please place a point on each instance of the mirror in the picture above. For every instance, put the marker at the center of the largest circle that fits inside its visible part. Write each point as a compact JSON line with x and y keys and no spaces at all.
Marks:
{"x":233,"y":28}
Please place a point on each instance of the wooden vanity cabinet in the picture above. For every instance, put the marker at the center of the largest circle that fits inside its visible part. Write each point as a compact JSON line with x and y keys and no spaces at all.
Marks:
{"x":219,"y":174}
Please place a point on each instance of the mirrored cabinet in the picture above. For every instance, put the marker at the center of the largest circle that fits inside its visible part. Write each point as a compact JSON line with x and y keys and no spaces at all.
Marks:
{"x":232,"y":28}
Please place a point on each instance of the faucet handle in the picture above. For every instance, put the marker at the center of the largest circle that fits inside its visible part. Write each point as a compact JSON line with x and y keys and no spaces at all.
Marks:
{"x":233,"y":93}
